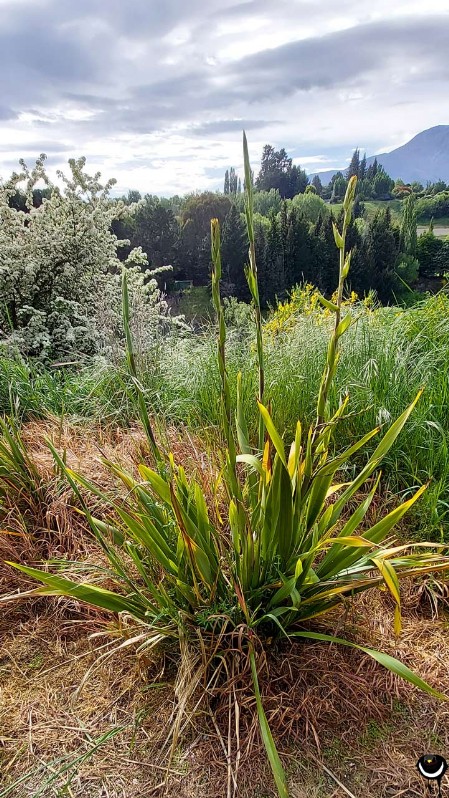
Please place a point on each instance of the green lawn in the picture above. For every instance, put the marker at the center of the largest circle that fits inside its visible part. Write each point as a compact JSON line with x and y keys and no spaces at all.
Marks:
{"x":196,"y":304}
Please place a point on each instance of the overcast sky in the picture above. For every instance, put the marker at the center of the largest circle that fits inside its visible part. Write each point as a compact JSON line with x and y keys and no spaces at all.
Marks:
{"x":156,"y":92}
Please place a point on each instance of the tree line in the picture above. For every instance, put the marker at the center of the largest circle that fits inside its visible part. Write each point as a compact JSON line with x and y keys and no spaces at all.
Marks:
{"x":294,"y":244}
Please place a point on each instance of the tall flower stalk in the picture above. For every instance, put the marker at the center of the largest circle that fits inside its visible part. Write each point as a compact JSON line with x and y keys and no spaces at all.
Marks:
{"x":251,"y":277}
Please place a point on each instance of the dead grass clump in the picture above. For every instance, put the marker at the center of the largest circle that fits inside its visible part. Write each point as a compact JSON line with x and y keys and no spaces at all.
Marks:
{"x":328,"y":706}
{"x":338,"y":707}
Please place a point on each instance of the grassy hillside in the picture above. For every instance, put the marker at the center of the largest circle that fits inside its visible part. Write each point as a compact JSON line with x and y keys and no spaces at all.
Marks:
{"x":388,"y":355}
{"x":441,"y":225}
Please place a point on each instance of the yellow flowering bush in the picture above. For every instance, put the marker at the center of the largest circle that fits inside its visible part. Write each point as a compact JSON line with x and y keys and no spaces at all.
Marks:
{"x":305,"y":301}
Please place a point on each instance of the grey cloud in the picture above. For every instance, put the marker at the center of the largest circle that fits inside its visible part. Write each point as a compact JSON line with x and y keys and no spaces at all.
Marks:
{"x":6,"y":114}
{"x":58,"y":53}
{"x":117,"y":61}
{"x":90,"y":101}
{"x":37,"y":62}
{"x":340,"y":59}
{"x":344,"y":57}
{"x":229,"y":126}
{"x":134,"y":19}
{"x":244,"y":9}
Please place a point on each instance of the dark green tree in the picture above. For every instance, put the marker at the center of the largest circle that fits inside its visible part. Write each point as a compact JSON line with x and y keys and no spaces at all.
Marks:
{"x":354,"y":166}
{"x":133,"y":196}
{"x":277,"y":171}
{"x":440,"y":185}
{"x":359,"y":271}
{"x":260,"y":235}
{"x":234,"y":254}
{"x":194,"y":245}
{"x":429,"y":251}
{"x":362,"y":168}
{"x":371,"y":172}
{"x":274,"y":284}
{"x":300,"y":251}
{"x":297,"y":182}
{"x":233,"y":181}
{"x":365,"y":189}
{"x":283,"y":233}
{"x":318,"y":185}
{"x":325,"y":255}
{"x":382,"y":247}
{"x":339,"y":185}
{"x":382,"y":184}
{"x":408,"y":228}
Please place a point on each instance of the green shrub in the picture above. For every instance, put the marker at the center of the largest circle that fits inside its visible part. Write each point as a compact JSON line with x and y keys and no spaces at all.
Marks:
{"x":59,"y":269}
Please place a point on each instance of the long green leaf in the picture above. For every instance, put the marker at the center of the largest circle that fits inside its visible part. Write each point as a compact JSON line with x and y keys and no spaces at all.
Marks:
{"x":267,"y":737}
{"x":160,"y":485}
{"x":90,"y":594}
{"x":130,"y":358}
{"x":273,"y":433}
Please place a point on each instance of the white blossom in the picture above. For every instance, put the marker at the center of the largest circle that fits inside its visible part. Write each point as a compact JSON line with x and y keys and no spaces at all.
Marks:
{"x":59,"y":269}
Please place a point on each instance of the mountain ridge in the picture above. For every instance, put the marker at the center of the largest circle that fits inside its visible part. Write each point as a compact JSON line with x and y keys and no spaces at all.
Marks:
{"x":424,"y":158}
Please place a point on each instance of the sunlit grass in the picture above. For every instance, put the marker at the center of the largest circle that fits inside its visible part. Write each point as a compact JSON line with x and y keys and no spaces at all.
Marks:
{"x":387,"y":356}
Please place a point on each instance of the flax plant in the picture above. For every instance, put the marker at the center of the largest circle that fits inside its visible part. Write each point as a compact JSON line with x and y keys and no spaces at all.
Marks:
{"x":251,"y":278}
{"x":132,"y":369}
{"x":294,"y":543}
{"x":21,"y":486}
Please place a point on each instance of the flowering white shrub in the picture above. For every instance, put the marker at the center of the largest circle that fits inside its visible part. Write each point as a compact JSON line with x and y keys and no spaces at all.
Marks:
{"x":59,"y":270}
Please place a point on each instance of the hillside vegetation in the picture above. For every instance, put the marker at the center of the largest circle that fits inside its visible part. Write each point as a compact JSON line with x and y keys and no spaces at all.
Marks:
{"x":192,"y":513}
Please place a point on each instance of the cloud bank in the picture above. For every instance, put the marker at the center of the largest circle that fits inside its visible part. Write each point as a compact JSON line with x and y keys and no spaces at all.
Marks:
{"x":156,"y":94}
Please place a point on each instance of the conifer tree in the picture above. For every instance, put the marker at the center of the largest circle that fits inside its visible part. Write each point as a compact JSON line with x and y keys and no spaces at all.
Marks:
{"x":408,"y":229}
{"x":326,"y":255}
{"x":382,"y":250}
{"x":300,"y":259}
{"x":371,"y":172}
{"x":318,"y":185}
{"x":354,"y":166}
{"x":234,"y":254}
{"x":273,"y":261}
{"x":362,"y":168}
{"x":232,"y":181}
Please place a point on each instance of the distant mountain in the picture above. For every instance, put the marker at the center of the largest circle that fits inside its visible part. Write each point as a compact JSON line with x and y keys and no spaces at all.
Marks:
{"x":425,"y":157}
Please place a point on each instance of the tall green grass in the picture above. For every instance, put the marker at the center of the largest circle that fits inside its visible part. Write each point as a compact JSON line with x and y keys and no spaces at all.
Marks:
{"x":387,"y":356}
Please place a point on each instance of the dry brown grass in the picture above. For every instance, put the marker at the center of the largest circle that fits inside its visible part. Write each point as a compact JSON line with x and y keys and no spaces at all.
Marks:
{"x":330,"y":707}
{"x":56,"y":529}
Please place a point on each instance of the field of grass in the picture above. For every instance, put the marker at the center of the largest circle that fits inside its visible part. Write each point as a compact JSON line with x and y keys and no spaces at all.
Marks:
{"x":441,"y":225}
{"x":195,"y":304}
{"x":372,"y":206}
{"x":387,"y":356}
